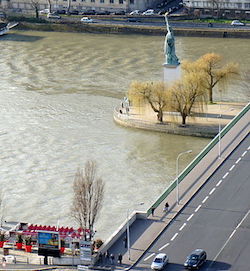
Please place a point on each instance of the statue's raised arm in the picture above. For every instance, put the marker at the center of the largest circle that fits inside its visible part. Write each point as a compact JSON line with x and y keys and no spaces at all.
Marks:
{"x":169,"y":47}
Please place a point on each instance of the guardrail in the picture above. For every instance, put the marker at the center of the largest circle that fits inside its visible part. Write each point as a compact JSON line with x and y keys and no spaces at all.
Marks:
{"x":198,"y":158}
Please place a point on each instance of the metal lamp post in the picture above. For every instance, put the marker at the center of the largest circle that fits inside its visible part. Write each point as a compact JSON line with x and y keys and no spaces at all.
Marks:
{"x":177,"y":174}
{"x":128,"y":233}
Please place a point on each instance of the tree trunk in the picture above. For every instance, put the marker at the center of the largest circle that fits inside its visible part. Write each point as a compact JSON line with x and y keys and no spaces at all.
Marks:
{"x":210,"y":95}
{"x":160,"y":116}
{"x":184,"y":116}
{"x":37,"y":13}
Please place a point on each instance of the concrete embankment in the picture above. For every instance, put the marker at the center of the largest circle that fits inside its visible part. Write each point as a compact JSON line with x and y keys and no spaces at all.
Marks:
{"x":134,"y":29}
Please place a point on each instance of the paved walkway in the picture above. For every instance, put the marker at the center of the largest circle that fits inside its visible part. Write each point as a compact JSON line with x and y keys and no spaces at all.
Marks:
{"x":199,"y":124}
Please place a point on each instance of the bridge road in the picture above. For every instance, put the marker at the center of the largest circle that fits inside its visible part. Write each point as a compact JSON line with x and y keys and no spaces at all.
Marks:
{"x":217,"y":219}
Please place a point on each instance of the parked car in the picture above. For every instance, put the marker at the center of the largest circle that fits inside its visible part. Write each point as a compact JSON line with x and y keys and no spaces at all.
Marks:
{"x":53,"y":16}
{"x":135,"y":12}
{"x":196,"y":259}
{"x":121,"y":12}
{"x":61,"y":11}
{"x":148,"y":12}
{"x":74,"y":12}
{"x":88,"y":12}
{"x":237,"y":23}
{"x":86,"y":20}
{"x":159,"y":261}
{"x":103,"y":12}
{"x":44,"y":11}
{"x":134,"y":20}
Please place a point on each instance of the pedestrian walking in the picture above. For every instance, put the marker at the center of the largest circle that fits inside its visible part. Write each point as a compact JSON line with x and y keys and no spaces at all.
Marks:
{"x":107,"y":256}
{"x":120,"y":258}
{"x":153,"y":211}
{"x":112,"y":258}
{"x":100,"y":258}
{"x":125,"y":242}
{"x":166,"y":207}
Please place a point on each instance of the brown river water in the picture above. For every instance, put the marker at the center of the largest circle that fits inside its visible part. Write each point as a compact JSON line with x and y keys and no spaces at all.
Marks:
{"x":57,"y":95}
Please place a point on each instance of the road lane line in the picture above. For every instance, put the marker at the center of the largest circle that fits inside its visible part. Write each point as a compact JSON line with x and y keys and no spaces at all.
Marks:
{"x":238,"y":160}
{"x":190,"y":217}
{"x":231,"y":235}
{"x":181,"y":228}
{"x":172,"y":239}
{"x":225,"y":175}
{"x":243,"y":154}
{"x":212,"y":191}
{"x":232,"y":167}
{"x":163,"y":247}
{"x":149,"y":256}
{"x":219,"y":182}
{"x":197,"y":209}
{"x":248,"y":148}
{"x":205,"y":199}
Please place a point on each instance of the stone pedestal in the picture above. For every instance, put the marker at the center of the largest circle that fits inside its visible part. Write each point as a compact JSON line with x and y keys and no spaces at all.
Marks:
{"x":171,"y":73}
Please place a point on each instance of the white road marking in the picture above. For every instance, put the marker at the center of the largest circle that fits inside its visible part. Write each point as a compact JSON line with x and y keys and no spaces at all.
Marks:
{"x":190,"y":217}
{"x":181,"y":228}
{"x":248,"y":148}
{"x":225,"y":175}
{"x":205,"y":199}
{"x":149,"y":256}
{"x":238,"y":160}
{"x":212,"y":191}
{"x":197,"y":209}
{"x":243,"y":154}
{"x":219,"y":182}
{"x":231,"y":235}
{"x":163,"y":247}
{"x":232,"y":167}
{"x":172,"y":239}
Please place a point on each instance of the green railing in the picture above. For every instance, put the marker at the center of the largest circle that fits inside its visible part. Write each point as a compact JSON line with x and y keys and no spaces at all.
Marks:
{"x":199,"y":157}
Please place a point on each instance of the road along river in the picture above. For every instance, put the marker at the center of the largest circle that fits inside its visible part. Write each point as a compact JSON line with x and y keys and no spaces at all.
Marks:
{"x":58,"y":91}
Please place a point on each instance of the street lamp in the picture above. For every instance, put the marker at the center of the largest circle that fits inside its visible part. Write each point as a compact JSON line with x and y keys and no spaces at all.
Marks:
{"x":177,"y":174}
{"x":128,"y":234}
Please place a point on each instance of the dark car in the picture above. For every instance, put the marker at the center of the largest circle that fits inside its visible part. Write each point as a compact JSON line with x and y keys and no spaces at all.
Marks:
{"x":134,"y":20}
{"x":88,"y":12}
{"x":61,"y":11}
{"x":102,"y":12}
{"x":195,"y":259}
{"x":121,"y":12}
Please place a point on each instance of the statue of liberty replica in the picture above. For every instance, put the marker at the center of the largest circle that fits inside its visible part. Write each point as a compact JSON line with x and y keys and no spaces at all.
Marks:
{"x":169,"y":48}
{"x":172,"y":70}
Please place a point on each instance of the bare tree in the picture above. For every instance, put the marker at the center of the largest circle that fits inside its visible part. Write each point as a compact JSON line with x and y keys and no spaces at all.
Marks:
{"x":35,"y":4}
{"x":88,"y":196}
{"x":50,"y":6}
{"x":214,"y":73}
{"x":216,"y":5}
{"x":153,"y":93}
{"x":186,"y":93}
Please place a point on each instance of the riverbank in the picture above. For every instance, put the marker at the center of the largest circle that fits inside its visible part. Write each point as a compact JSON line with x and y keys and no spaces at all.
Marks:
{"x":134,"y":29}
{"x":204,"y":124}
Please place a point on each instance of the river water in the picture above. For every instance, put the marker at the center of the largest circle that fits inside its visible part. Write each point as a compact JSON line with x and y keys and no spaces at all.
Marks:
{"x":58,"y":91}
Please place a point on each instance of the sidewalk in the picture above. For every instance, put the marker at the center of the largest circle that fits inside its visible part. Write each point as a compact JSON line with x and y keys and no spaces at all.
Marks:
{"x":143,"y":232}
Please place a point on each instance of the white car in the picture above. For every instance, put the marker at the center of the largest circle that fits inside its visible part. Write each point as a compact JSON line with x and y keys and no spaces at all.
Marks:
{"x":135,"y":12}
{"x":159,"y":261}
{"x":237,"y":23}
{"x":44,"y":11}
{"x":53,"y":16}
{"x":148,"y":12}
{"x":86,"y":20}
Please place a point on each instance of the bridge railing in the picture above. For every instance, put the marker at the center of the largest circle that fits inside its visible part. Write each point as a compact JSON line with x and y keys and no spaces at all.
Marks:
{"x":198,"y":158}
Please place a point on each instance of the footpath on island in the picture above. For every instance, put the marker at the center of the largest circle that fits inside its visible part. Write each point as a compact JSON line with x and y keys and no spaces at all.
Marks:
{"x":207,"y":124}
